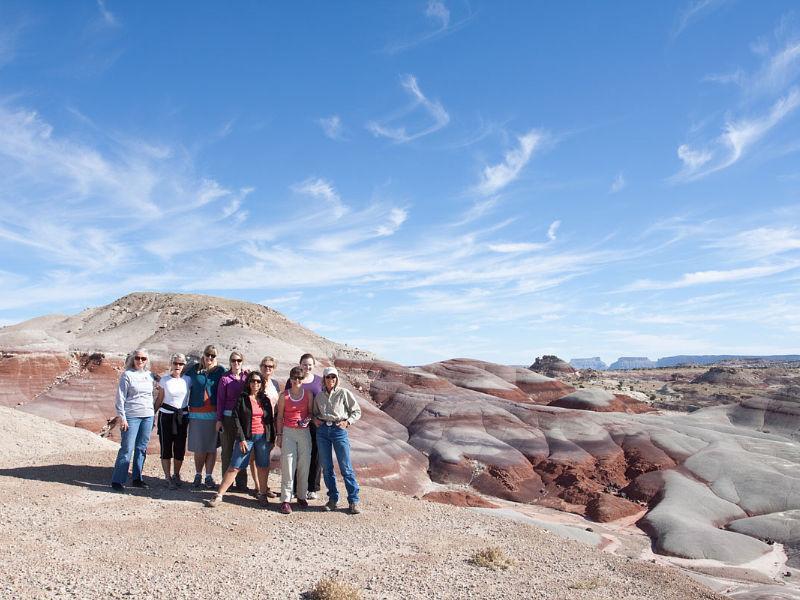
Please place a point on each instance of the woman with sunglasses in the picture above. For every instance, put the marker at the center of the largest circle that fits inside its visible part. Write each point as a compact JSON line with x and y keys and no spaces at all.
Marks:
{"x":335,"y":409}
{"x":313,"y":384}
{"x":230,"y":388}
{"x":271,"y":389}
{"x":294,"y":439}
{"x":255,"y":433}
{"x":134,"y":408}
{"x":172,"y":401}
{"x":205,"y":377}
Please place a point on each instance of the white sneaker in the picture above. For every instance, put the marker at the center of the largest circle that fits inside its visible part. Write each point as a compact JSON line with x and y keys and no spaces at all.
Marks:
{"x":311,"y":495}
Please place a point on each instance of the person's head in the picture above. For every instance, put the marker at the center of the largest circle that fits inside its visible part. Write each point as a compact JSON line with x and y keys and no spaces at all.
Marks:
{"x":331,"y":378}
{"x":235,"y":360}
{"x":267,"y":367}
{"x":209,"y":358}
{"x":253,"y":383}
{"x":296,"y":375}
{"x":176,"y":363}
{"x":307,"y":362}
{"x":138,"y":360}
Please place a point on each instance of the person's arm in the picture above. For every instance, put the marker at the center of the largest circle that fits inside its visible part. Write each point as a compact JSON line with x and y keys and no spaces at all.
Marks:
{"x":316,"y":413}
{"x":279,"y":422}
{"x":351,"y":407}
{"x":159,"y":397}
{"x":237,"y":413}
{"x":222,"y":389}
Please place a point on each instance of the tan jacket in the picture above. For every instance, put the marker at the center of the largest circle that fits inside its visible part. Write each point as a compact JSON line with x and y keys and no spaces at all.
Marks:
{"x":339,"y":405}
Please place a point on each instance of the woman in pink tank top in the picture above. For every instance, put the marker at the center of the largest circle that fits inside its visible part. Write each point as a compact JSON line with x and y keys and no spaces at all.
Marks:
{"x":294,"y":440}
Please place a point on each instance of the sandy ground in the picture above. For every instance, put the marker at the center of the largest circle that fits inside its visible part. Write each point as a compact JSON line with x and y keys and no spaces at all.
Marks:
{"x":66,"y":535}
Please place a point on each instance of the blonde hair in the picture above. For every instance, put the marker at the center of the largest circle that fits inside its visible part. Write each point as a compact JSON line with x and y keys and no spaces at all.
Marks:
{"x":203,"y":359}
{"x":129,"y":362}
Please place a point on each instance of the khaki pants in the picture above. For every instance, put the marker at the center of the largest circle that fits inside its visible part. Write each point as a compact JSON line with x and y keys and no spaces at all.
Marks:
{"x":228,"y":440}
{"x":295,"y":456}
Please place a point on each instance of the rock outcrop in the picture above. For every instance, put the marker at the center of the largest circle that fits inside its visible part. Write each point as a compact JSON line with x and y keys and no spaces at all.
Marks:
{"x":625,"y":363}
{"x":601,"y":400}
{"x":727,"y":376}
{"x":552,"y":366}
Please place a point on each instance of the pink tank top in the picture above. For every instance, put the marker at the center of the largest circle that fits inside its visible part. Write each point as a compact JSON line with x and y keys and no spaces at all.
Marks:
{"x":296,"y":414}
{"x":257,"y":424}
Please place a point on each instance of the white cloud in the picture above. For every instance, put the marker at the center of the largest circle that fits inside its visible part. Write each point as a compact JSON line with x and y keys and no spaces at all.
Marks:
{"x":694,"y":11}
{"x":737,"y":138}
{"x":323,"y":189}
{"x":400,"y":134}
{"x":514,"y":248}
{"x":709,"y":277}
{"x":332,"y":127}
{"x":761,"y":242}
{"x":551,"y":231}
{"x":496,"y":177}
{"x":437,"y":11}
{"x":397,"y":217}
{"x":108,"y":17}
{"x":618,"y":184}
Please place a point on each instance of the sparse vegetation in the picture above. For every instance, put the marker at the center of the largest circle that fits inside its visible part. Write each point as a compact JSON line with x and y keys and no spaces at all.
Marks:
{"x":329,"y":588}
{"x":588,"y":584}
{"x":491,"y":558}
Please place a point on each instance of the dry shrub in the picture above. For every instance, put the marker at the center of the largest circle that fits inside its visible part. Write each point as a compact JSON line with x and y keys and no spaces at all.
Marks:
{"x":491,"y":558}
{"x":329,"y":588}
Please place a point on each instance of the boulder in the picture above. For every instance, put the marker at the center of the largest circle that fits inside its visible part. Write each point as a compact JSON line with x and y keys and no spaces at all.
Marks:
{"x":552,"y":366}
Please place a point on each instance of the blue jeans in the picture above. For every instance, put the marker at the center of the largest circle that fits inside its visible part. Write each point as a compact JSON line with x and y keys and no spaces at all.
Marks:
{"x":330,"y":440}
{"x":134,"y":442}
{"x":259,"y":446}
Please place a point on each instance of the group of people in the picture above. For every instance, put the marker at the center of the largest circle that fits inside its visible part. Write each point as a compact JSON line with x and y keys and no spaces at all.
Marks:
{"x":246,"y":413}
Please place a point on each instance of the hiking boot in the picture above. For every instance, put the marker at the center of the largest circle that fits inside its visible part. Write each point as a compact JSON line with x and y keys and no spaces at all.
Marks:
{"x":210,"y":483}
{"x":170,"y":483}
{"x":138,"y":483}
{"x":176,"y":479}
{"x":285,"y":509}
{"x":262,"y":499}
{"x":213,"y":501}
{"x":198,"y":481}
{"x":302,"y":503}
{"x":119,"y":488}
{"x":353,"y":509}
{"x":329,"y":506}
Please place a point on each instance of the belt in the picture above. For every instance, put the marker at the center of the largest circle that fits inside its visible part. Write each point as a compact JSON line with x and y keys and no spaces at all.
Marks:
{"x":227,"y":413}
{"x":333,"y":423}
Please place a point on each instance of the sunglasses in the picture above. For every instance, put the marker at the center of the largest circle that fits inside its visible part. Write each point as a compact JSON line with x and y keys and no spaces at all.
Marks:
{"x":331,"y":376}
{"x":255,"y":381}
{"x":268,"y":366}
{"x":144,"y":358}
{"x":237,"y":360}
{"x":298,"y":378}
{"x":178,"y":364}
{"x":210,"y":355}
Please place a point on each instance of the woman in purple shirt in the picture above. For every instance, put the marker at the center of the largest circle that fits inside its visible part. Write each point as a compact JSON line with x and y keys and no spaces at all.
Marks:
{"x":230,"y":387}
{"x":312,"y":383}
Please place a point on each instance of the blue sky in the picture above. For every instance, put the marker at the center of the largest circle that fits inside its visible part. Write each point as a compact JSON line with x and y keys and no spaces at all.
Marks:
{"x":423,"y":179}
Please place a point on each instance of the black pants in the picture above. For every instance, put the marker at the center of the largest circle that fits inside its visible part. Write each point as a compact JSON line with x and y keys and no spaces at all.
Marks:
{"x":172,"y":435}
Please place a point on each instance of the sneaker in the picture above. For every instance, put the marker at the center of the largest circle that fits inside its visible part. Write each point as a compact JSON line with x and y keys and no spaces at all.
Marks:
{"x":210,"y":483}
{"x":311,"y":496}
{"x":138,"y":483}
{"x":213,"y":501}
{"x":170,"y":483}
{"x":262,"y":499}
{"x":198,"y":481}
{"x":119,"y":488}
{"x":302,"y":503}
{"x":329,"y":506}
{"x":285,"y":508}
{"x":270,"y":494}
{"x":176,"y":479}
{"x":353,"y":509}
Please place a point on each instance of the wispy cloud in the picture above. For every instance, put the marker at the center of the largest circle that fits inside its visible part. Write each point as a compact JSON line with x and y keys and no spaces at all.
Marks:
{"x":760,"y":242}
{"x":496,"y":177}
{"x":316,"y":187}
{"x":108,"y":17}
{"x":618,"y":184}
{"x":332,"y":127}
{"x":437,"y":13}
{"x":709,"y":277}
{"x":399,"y":133}
{"x":693,"y":12}
{"x":737,"y":138}
{"x":551,"y":231}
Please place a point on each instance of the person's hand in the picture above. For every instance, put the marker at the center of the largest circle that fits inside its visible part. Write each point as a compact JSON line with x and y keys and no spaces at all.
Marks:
{"x":343,"y":424}
{"x":123,"y":424}
{"x":278,"y":440}
{"x":243,"y":447}
{"x":219,"y":425}
{"x":318,"y":422}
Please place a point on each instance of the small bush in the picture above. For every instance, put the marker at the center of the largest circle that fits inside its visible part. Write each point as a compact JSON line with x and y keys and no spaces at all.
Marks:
{"x":588,"y":584}
{"x":491,"y":558}
{"x":329,"y":588}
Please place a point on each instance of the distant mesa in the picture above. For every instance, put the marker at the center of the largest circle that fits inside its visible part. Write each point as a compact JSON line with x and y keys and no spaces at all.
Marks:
{"x":710,"y":359}
{"x":551,"y":366}
{"x":589,"y":363}
{"x":729,"y":376}
{"x":626,"y":363}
